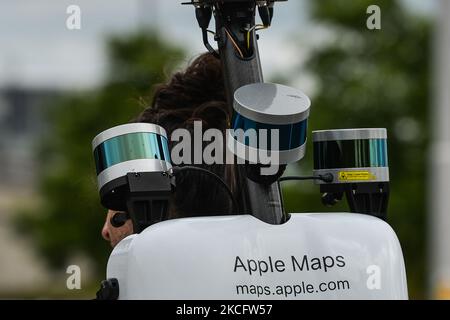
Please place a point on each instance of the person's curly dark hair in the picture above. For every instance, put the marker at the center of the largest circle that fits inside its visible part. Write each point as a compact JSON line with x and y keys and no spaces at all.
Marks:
{"x":196,"y":94}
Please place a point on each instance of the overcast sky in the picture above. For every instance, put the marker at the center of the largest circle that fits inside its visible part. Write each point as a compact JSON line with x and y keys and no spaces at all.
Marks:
{"x":37,"y":50}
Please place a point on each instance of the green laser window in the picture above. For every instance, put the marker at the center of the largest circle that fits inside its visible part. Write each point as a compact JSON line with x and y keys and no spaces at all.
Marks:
{"x":132,"y":146}
{"x":350,"y":154}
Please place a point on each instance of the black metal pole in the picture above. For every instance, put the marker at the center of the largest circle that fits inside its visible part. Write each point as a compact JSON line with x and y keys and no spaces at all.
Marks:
{"x":260,"y":200}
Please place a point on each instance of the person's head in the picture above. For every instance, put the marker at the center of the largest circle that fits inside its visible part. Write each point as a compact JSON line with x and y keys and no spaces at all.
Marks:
{"x":115,"y":235}
{"x":196,"y":94}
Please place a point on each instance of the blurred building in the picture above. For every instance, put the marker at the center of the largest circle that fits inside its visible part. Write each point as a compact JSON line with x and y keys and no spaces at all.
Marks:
{"x":22,"y":123}
{"x":22,"y":114}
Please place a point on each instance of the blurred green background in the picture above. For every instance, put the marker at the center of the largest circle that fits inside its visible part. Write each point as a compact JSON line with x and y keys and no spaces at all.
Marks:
{"x":361,"y":77}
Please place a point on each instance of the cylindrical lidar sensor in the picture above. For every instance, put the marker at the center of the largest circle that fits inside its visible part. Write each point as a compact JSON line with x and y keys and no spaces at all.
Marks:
{"x":351,"y":155}
{"x":269,"y":118}
{"x":130,"y":148}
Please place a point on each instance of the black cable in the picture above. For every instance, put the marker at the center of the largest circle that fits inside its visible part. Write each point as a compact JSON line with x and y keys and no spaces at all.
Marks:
{"x":212,"y":174}
{"x":203,"y":15}
{"x":208,"y":45}
{"x":298,"y":178}
{"x":328,"y":177}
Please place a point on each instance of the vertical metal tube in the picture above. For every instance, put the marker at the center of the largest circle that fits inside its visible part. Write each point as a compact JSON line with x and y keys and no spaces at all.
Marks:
{"x":262,"y":201}
{"x":439,"y":201}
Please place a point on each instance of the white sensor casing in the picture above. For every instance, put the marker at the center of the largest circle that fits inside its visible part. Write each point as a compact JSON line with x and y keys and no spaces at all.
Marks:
{"x":271,"y":103}
{"x":312,"y":256}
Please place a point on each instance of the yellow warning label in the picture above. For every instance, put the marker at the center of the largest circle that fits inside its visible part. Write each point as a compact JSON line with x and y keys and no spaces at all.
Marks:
{"x":356,"y":175}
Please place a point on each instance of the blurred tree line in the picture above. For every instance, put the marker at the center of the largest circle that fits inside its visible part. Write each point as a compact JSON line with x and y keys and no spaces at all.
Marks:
{"x":69,"y":218}
{"x":371,"y":79}
{"x":364,"y":79}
